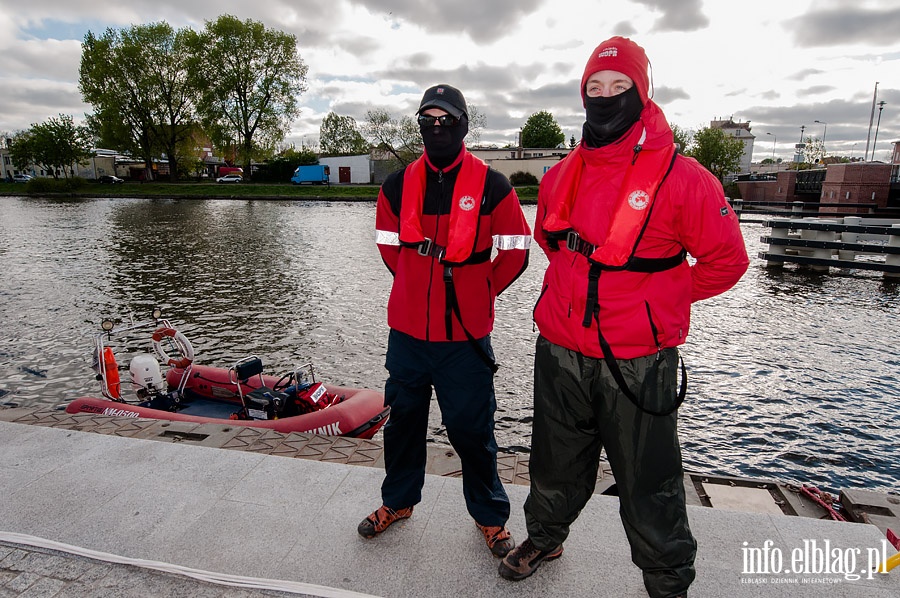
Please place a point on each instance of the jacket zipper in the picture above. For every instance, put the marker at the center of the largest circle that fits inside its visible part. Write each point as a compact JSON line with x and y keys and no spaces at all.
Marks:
{"x":653,"y":329}
{"x":437,"y":227}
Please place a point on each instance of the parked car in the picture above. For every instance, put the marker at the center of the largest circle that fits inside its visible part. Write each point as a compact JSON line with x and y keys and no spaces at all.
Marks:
{"x":108,"y":179}
{"x":22,"y":178}
{"x":230,"y":178}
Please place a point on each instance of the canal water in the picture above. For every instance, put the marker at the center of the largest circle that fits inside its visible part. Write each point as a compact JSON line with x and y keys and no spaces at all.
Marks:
{"x":793,"y":376}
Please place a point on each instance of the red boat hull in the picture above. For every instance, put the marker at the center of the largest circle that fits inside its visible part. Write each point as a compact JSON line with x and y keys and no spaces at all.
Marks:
{"x":361,"y":414}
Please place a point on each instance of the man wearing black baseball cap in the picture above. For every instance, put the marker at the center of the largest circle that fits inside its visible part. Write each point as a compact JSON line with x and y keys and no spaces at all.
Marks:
{"x":443,"y":143}
{"x":438,"y":221}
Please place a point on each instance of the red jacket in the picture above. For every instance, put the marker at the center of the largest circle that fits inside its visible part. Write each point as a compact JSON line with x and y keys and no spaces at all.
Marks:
{"x":418,"y":303}
{"x":640,"y":313}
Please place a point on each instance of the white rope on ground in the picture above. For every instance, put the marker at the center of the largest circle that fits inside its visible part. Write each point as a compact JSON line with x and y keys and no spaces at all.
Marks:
{"x":238,"y":581}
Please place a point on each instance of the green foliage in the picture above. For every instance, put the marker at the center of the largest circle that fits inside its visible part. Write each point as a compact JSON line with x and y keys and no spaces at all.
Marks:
{"x":250,"y":78}
{"x":718,"y":152}
{"x":280,"y":168}
{"x":542,"y":130}
{"x":340,"y":136}
{"x":527,"y":193}
{"x":41,"y":185}
{"x":732,"y":190}
{"x":522,"y":178}
{"x":142,"y":90}
{"x":55,"y":144}
{"x":683,"y":137}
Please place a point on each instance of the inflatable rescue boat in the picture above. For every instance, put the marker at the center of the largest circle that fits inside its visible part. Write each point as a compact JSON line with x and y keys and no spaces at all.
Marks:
{"x":240,"y":395}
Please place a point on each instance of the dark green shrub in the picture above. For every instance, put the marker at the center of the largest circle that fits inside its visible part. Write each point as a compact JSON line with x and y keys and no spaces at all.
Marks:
{"x":48,"y":185}
{"x":522,"y":178}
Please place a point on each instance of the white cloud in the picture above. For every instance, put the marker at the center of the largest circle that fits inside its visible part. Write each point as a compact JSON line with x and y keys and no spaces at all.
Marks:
{"x":779,"y":65}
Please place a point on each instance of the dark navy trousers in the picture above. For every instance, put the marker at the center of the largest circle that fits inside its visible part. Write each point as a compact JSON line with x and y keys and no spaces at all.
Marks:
{"x":464,"y":386}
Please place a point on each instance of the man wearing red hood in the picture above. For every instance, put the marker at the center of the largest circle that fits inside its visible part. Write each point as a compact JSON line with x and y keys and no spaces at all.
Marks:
{"x":617,"y":219}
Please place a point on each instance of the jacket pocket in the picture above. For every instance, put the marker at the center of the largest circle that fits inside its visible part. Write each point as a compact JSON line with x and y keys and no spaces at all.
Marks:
{"x":655,"y":332}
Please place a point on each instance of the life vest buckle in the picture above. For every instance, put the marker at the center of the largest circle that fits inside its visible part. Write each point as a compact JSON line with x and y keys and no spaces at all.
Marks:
{"x":427,"y":248}
{"x":575,"y":243}
{"x":424,"y":248}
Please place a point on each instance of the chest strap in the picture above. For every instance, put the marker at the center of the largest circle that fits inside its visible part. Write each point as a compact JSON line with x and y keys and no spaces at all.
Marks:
{"x":452,"y":309}
{"x":647,"y":265}
{"x":429,"y":248}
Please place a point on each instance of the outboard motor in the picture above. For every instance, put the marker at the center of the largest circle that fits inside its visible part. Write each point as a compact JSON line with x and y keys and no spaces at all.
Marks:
{"x":146,"y":377}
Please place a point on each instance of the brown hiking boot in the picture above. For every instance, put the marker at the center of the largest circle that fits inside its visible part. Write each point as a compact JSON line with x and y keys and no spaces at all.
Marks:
{"x":381,"y":519}
{"x":497,"y":538}
{"x":524,"y":559}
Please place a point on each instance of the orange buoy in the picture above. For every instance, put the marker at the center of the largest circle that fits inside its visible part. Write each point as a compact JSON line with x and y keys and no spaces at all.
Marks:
{"x":111,"y":371}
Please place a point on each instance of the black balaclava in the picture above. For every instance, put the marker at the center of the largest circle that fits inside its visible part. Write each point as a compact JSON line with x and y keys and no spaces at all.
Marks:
{"x":443,"y":144}
{"x":610,"y":118}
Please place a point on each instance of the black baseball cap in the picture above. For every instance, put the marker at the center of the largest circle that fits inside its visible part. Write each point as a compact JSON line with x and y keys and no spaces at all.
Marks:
{"x":446,"y":98}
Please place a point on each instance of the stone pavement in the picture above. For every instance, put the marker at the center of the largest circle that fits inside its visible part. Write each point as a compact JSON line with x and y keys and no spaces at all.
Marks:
{"x":33,"y":572}
{"x":289,"y":527}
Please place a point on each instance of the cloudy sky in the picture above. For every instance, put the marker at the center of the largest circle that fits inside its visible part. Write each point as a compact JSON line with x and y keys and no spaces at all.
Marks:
{"x":779,"y":65}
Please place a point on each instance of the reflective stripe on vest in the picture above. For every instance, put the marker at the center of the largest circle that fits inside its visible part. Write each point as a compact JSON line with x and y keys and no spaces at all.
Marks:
{"x":465,"y":209}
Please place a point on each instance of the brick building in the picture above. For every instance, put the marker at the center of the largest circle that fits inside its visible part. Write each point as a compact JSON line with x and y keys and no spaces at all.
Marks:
{"x":845,"y":183}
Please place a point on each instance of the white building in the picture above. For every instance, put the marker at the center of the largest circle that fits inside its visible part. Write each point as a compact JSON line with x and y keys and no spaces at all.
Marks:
{"x":536,"y":161}
{"x":348,"y":169}
{"x":741,"y":131}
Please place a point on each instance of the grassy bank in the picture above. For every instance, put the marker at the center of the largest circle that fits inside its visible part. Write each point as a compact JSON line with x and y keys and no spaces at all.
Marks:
{"x":187,"y":190}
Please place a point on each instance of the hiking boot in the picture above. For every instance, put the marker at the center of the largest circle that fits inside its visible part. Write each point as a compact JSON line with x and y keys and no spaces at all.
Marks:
{"x":381,"y":519}
{"x":524,"y":559}
{"x":497,"y":538}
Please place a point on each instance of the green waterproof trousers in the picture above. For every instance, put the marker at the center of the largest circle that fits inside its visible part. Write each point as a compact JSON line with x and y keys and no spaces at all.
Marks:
{"x":579,"y":410}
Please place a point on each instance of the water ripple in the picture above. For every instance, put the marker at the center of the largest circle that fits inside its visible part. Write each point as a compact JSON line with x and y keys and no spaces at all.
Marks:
{"x":793,"y":375}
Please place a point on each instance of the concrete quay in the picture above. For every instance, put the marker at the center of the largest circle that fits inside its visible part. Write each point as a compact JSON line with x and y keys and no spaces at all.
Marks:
{"x":104,"y":507}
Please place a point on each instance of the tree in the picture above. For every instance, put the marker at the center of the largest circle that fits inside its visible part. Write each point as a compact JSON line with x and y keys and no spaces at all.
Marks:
{"x":683,"y":137}
{"x":55,"y":144}
{"x":718,"y":152}
{"x":400,"y":138}
{"x":477,"y":123}
{"x":814,"y":150}
{"x":281,"y":167}
{"x":143,"y":93}
{"x":250,"y":79}
{"x":542,"y":130}
{"x":339,"y":135}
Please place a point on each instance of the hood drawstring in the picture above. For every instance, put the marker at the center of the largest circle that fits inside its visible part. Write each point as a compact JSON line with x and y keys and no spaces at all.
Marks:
{"x":639,"y":146}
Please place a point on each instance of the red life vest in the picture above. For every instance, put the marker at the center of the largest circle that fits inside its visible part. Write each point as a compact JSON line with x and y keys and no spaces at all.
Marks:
{"x":465,"y":210}
{"x":636,"y":196}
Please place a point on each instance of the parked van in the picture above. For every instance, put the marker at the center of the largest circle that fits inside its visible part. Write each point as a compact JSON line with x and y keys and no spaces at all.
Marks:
{"x":317,"y":174}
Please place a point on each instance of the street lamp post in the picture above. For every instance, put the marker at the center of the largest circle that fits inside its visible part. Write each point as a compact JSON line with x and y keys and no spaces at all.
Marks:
{"x":874,"y":141}
{"x":871,"y":117}
{"x":774,"y":141}
{"x":824,"y":131}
